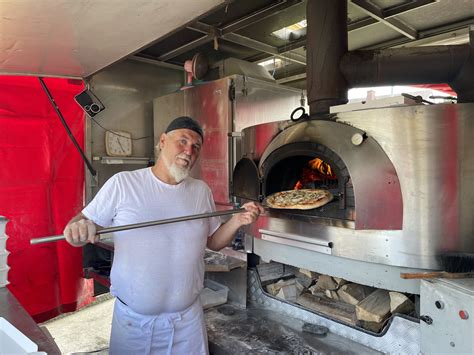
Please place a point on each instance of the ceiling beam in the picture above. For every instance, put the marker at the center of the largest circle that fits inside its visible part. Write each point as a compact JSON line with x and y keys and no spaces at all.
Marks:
{"x":263,"y":47}
{"x":204,"y":28}
{"x":388,"y":13}
{"x":299,"y":43}
{"x":248,"y":42}
{"x":259,"y":15}
{"x":139,"y":57}
{"x":185,"y":48}
{"x":424,"y":35}
{"x":355,"y":25}
{"x":406,"y":7}
{"x":283,"y":52}
{"x":377,"y":13}
{"x":424,"y":38}
{"x":291,"y":78}
{"x":211,"y":32}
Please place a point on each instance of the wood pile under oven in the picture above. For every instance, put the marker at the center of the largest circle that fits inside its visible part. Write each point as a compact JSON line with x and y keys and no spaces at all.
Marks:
{"x":357,"y":305}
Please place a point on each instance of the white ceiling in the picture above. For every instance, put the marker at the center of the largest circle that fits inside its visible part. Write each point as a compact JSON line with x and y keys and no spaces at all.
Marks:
{"x":76,"y":38}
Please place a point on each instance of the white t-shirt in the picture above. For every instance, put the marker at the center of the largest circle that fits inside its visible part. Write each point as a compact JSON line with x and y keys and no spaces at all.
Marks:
{"x":155,"y":269}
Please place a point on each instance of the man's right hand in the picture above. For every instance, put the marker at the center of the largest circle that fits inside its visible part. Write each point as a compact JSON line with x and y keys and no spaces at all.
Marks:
{"x":81,"y":232}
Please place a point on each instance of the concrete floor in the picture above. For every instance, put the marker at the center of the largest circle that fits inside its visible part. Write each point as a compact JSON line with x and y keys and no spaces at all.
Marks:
{"x":84,"y":331}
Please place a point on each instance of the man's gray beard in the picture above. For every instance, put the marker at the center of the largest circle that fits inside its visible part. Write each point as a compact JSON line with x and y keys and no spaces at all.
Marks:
{"x":177,"y":173}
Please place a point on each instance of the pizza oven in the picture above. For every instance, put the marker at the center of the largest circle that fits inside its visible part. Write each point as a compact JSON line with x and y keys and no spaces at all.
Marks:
{"x":326,"y":155}
{"x":402,"y":177}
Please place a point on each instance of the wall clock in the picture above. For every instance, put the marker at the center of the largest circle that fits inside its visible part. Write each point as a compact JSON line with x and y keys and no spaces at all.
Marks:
{"x":118,"y":143}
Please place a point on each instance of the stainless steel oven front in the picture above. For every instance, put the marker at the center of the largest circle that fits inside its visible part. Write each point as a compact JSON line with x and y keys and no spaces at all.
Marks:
{"x":404,"y":183}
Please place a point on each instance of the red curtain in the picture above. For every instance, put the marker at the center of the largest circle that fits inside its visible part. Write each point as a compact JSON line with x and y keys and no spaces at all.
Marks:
{"x":41,"y":188}
{"x":444,"y":88}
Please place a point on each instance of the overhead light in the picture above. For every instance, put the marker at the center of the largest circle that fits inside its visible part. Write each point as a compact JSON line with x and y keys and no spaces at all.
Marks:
{"x":291,"y":32}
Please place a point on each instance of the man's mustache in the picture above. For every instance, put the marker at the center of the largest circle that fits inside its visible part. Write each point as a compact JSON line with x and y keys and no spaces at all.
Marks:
{"x":184,"y":157}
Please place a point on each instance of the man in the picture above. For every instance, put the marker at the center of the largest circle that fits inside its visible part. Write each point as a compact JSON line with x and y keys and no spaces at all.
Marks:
{"x":158,"y":272}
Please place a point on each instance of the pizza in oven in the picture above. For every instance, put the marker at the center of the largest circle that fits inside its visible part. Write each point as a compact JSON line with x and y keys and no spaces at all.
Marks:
{"x":304,"y":199}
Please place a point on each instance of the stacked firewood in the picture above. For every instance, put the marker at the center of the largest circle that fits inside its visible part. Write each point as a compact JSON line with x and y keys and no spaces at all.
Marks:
{"x":358,"y":305}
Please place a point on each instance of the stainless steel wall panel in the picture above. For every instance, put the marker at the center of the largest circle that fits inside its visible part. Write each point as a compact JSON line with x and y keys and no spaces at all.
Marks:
{"x":257,"y":101}
{"x":127,"y":90}
{"x":432,"y":150}
{"x":165,"y":109}
{"x":442,"y":301}
{"x":209,"y":104}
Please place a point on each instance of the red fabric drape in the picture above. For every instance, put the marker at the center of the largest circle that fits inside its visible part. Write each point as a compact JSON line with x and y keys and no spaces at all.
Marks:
{"x":41,"y":188}
{"x":444,"y":88}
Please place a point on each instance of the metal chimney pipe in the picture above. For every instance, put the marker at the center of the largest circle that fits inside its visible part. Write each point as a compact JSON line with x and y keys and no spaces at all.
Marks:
{"x":332,"y":70}
{"x":326,"y":44}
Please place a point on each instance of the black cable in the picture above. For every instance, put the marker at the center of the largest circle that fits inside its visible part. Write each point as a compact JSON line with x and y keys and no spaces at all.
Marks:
{"x":63,"y":121}
{"x":108,"y":130}
{"x":418,"y":99}
{"x":443,"y":97}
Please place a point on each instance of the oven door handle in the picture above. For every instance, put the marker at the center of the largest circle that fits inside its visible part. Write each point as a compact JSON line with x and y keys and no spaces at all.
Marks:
{"x":298,"y":241}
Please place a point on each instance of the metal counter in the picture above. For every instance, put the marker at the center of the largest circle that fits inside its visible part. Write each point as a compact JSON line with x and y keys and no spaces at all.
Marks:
{"x":12,"y":311}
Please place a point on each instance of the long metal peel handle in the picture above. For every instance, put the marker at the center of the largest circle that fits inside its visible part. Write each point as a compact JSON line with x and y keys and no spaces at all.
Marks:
{"x":55,"y":238}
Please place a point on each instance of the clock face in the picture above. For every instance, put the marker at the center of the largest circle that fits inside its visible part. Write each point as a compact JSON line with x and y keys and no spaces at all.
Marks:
{"x":118,"y":143}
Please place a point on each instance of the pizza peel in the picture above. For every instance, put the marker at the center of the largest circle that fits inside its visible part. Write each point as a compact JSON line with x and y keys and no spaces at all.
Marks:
{"x":55,"y":238}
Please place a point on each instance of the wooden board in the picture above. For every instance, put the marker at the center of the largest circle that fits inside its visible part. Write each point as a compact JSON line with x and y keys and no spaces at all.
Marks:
{"x":436,"y":275}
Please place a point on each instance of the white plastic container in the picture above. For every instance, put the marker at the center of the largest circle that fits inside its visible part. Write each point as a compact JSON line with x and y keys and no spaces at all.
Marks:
{"x":3,"y":242}
{"x":3,"y":236}
{"x":3,"y":223}
{"x":12,"y":341}
{"x":3,"y":258}
{"x":4,"y":278}
{"x":213,"y":294}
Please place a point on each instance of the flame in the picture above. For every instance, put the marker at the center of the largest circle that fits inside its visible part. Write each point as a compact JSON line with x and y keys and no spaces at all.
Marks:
{"x":317,"y":170}
{"x":322,"y":167}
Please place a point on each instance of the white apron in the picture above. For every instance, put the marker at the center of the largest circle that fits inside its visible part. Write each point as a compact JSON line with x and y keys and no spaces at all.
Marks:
{"x":169,"y":333}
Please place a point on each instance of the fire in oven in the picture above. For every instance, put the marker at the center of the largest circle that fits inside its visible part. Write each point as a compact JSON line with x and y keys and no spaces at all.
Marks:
{"x":312,"y":165}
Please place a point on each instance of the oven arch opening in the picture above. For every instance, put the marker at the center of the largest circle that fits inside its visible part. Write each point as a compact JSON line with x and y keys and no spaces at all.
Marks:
{"x":287,"y":165}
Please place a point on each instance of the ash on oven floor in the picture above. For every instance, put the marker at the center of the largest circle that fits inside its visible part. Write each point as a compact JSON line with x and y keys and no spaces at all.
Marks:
{"x":232,"y":330}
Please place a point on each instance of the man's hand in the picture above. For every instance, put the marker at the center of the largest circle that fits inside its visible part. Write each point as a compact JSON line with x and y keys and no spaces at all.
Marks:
{"x":81,"y":232}
{"x":253,"y":209}
{"x":225,"y":233}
